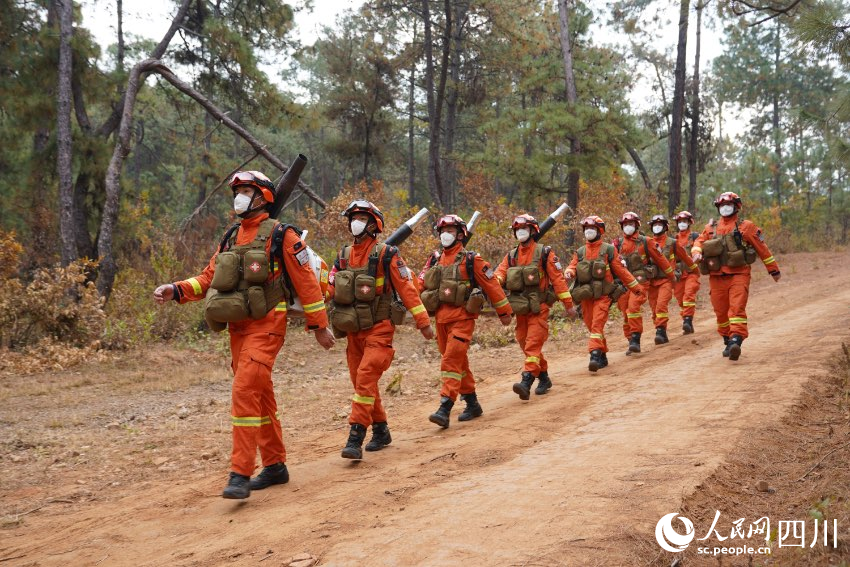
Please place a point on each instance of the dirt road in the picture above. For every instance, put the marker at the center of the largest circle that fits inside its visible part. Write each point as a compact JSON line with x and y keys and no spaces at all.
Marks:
{"x":560,"y":479}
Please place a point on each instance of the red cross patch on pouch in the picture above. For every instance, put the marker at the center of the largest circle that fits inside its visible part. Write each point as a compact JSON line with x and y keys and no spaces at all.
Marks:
{"x":365,"y":289}
{"x":447,"y":292}
{"x":255,"y":267}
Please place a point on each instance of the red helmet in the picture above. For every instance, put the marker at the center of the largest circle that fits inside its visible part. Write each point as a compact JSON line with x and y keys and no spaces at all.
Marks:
{"x":256,"y":180}
{"x":660,"y":219}
{"x":595,"y":222}
{"x":452,"y":220}
{"x":364,"y":206}
{"x":525,"y":220}
{"x":630,"y":217}
{"x":684,"y":216}
{"x":729,"y":197}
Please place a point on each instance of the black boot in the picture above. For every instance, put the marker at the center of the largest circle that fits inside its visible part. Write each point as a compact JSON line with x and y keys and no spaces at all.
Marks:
{"x":238,"y":487}
{"x":543,"y":383}
{"x":688,"y":325}
{"x":661,"y":336}
{"x":735,"y":347}
{"x":380,"y":436}
{"x":595,"y":360}
{"x":272,"y":474}
{"x":634,"y":342}
{"x":472,"y":410}
{"x":603,"y":360}
{"x":523,"y":388}
{"x":441,"y":416}
{"x":355,"y":440}
{"x":726,"y":350}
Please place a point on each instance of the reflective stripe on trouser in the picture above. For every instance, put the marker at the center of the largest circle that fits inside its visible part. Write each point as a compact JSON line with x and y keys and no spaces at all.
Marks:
{"x":630,"y":305}
{"x":660,"y":294}
{"x":532,"y":330}
{"x":369,"y":354}
{"x":595,"y":315}
{"x":685,"y":291}
{"x":729,"y":296}
{"x":254,"y":414}
{"x":453,"y":341}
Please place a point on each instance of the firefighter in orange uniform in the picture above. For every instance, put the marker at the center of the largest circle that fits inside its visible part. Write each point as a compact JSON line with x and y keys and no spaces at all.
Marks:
{"x":374,"y":276}
{"x":687,"y":287}
{"x":661,"y":287}
{"x":248,"y":265}
{"x":454,"y":283}
{"x":726,"y":252}
{"x":535,"y":280}
{"x":645,"y":261}
{"x":591,"y":271}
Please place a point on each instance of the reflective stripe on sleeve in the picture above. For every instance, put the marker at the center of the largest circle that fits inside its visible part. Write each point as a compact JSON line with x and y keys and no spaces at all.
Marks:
{"x":313,"y":307}
{"x":196,"y":286}
{"x":501,"y":303}
{"x":769,"y":260}
{"x":564,"y":295}
{"x":417,"y":310}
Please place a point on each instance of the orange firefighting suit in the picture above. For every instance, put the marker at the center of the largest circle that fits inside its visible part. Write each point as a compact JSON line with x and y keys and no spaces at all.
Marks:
{"x":370,"y":352}
{"x":686,"y":289}
{"x":595,"y":311}
{"x":730,"y":287}
{"x":630,"y":303}
{"x":455,"y":324}
{"x":254,"y":345}
{"x":661,"y":289}
{"x":532,"y":330}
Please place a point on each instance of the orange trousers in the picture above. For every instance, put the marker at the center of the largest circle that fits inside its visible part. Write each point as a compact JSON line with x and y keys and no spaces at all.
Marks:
{"x":253,"y":408}
{"x":453,"y":340}
{"x":595,"y":315}
{"x":660,"y":294}
{"x":729,"y":294}
{"x":630,"y":305}
{"x":685,"y":291}
{"x":532,"y":330}
{"x":369,"y":354}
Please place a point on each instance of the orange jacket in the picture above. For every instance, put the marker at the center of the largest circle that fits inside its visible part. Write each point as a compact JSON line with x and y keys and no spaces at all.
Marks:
{"x":400,"y":276}
{"x":302,"y":276}
{"x":677,"y":252}
{"x":751,"y":234}
{"x":683,"y":239}
{"x":551,"y":272}
{"x":591,"y":252}
{"x":630,"y":244}
{"x":484,"y":277}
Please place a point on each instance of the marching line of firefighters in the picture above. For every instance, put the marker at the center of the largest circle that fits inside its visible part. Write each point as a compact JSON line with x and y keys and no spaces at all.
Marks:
{"x":261,"y":268}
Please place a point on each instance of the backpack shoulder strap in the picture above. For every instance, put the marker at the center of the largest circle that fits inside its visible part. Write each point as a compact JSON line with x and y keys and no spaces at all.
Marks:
{"x":580,"y":253}
{"x":512,"y":257}
{"x":609,"y":253}
{"x":470,"y":268}
{"x":228,"y":238}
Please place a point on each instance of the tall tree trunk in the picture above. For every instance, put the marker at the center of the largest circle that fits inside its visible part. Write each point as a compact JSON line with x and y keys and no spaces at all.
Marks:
{"x":674,"y":188}
{"x":574,"y":174}
{"x":695,"y":125}
{"x":777,"y":139}
{"x":452,"y":101}
{"x":435,"y":100}
{"x":63,"y":133}
{"x":120,"y":55}
{"x":411,"y":107}
{"x":639,"y":164}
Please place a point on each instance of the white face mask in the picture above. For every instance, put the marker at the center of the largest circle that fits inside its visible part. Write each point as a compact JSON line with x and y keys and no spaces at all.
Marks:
{"x":727,"y":210}
{"x":657,"y":228}
{"x":683,"y":226}
{"x":357,"y":227}
{"x":241,"y":203}
{"x":522,"y":234}
{"x":629,"y":229}
{"x":447,"y":239}
{"x":590,"y":233}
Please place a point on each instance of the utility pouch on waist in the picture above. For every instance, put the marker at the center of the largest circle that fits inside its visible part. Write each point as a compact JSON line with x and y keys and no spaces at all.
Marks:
{"x":531,"y":276}
{"x":651,"y":271}
{"x":448,"y":291}
{"x":226,"y":275}
{"x":713,"y":247}
{"x":397,"y":312}
{"x":703,"y":267}
{"x":364,"y":288}
{"x":431,"y":300}
{"x":344,"y":288}
{"x":475,"y":302}
{"x":255,"y":266}
{"x":215,"y":326}
{"x":640,"y":275}
{"x":597,"y":270}
{"x":534,"y":302}
{"x":365,"y":318}
{"x":519,"y":303}
{"x":226,"y":307}
{"x":736,"y":259}
{"x":432,"y":278}
{"x":344,"y":319}
{"x":619,"y":291}
{"x":382,"y":308}
{"x":583,"y":272}
{"x":596,"y":287}
{"x":550,"y":298}
{"x":581,"y":293}
{"x":750,"y":255}
{"x":514,"y":280}
{"x":713,"y":263}
{"x":608,"y":287}
{"x":256,"y":302}
{"x":634,"y":262}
